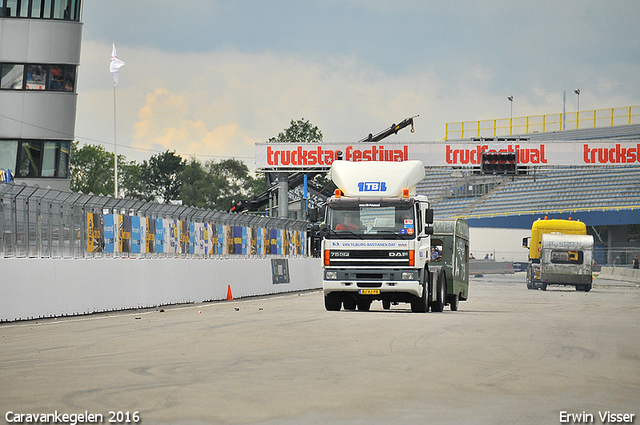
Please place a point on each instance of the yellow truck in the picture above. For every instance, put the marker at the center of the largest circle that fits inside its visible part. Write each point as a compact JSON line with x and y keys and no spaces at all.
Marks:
{"x":560,"y":253}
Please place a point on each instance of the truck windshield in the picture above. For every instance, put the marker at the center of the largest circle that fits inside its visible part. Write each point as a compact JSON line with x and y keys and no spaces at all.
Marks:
{"x":371,"y":222}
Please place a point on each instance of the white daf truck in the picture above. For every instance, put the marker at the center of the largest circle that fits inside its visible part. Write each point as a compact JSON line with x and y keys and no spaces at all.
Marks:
{"x":376,"y":239}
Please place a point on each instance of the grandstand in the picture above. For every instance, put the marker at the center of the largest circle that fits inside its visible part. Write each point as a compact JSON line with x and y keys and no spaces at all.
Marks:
{"x":597,"y":195}
{"x":551,"y":190}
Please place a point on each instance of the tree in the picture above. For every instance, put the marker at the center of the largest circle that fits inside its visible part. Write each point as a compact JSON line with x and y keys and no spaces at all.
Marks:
{"x":162,"y":176}
{"x":132,"y":182}
{"x":299,"y":131}
{"x":232,"y":179}
{"x":217,"y":185}
{"x":91,"y":169}
{"x":197,"y":189}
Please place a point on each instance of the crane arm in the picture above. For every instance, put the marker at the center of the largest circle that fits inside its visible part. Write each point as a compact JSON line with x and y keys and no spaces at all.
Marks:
{"x":389,"y":131}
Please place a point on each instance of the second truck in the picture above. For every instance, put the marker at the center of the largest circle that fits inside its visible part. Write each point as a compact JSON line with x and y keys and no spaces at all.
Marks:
{"x":560,"y":253}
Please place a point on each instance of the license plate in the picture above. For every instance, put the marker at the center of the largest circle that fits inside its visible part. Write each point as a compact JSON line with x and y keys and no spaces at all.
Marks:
{"x":369,"y":292}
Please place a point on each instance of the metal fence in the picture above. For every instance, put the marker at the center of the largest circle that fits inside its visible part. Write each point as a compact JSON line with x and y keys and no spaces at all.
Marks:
{"x":595,"y":118}
{"x":46,"y":223}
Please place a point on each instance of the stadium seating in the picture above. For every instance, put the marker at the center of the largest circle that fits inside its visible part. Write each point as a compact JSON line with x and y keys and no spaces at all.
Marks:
{"x":552,"y":188}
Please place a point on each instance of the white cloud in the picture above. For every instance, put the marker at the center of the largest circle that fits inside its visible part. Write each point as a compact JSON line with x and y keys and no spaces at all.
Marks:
{"x":215,"y":88}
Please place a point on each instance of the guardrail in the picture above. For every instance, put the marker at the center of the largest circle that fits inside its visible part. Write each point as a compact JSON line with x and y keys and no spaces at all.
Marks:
{"x":542,"y":123}
{"x":47,"y":223}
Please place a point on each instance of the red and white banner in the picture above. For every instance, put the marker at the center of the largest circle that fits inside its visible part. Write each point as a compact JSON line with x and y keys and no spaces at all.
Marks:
{"x":273,"y":156}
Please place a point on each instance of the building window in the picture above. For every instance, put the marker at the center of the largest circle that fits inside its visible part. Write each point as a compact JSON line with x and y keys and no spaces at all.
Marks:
{"x":68,"y":10}
{"x":30,"y":158}
{"x":8,"y":155}
{"x":35,"y":158}
{"x":63,"y":160}
{"x":49,"y":154}
{"x":38,"y":77}
{"x":12,"y":76}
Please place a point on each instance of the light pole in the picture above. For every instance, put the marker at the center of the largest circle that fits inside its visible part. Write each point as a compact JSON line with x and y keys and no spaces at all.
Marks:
{"x":577,"y":92}
{"x":510,"y":98}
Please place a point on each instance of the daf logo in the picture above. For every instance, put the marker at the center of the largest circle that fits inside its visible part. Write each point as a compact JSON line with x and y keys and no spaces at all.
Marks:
{"x":398,"y":254}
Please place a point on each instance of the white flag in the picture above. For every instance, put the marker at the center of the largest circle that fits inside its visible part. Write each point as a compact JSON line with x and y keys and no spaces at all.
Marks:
{"x":115,"y":65}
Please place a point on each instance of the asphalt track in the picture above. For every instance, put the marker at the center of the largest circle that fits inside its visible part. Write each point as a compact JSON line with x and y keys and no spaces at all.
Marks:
{"x":509,"y":355}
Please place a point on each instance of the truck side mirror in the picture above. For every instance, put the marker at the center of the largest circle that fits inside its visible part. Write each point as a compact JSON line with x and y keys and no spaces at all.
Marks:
{"x":428,"y":218}
{"x":525,"y":242}
{"x":428,"y":230}
{"x":324,"y":230}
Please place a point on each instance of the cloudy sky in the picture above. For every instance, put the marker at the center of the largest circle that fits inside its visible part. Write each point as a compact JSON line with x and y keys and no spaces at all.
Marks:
{"x":211,"y":78}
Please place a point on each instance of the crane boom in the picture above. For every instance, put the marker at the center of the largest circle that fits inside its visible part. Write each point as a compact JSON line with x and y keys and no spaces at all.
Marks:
{"x":389,"y":131}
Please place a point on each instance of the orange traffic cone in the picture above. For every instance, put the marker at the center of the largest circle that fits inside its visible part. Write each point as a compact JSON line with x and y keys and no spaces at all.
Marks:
{"x":229,"y":294}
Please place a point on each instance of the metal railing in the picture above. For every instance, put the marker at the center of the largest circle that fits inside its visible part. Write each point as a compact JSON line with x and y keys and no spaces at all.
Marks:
{"x":542,"y":123}
{"x":47,"y":223}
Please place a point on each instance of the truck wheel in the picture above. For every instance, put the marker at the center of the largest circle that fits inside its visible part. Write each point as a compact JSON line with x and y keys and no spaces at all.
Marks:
{"x":441,"y":288}
{"x":544,"y":286}
{"x":386,"y":304}
{"x":421,"y":305}
{"x":454,"y":302}
{"x":332,"y":302}
{"x":363,"y":305}
{"x":587,"y":288}
{"x":349,"y":303}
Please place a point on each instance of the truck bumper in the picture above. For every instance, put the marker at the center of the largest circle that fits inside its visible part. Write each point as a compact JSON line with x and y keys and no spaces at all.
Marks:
{"x":566,"y":279}
{"x":387,"y":288}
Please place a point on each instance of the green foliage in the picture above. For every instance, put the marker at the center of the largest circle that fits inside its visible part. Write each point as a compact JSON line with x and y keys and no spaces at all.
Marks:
{"x":91,"y":169}
{"x":197,"y":186}
{"x":161,"y":174}
{"x":167,"y":176}
{"x":217,"y":185}
{"x":299,"y":131}
{"x":132,"y":183}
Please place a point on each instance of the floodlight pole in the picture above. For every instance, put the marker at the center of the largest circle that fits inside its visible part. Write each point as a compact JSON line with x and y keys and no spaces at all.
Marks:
{"x":577,"y":92}
{"x":564,"y":116}
{"x":510,"y":98}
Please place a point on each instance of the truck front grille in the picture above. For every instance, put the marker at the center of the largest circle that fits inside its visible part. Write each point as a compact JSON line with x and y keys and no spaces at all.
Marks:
{"x":379,"y":258}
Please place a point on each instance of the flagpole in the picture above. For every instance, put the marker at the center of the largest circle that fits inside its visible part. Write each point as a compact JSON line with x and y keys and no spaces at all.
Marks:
{"x":115,"y":145}
{"x":114,"y":65}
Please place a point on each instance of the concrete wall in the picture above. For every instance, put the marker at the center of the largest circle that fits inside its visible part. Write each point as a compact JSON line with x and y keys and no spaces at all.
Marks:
{"x":620,"y":273}
{"x":490,"y":267}
{"x":35,"y":288}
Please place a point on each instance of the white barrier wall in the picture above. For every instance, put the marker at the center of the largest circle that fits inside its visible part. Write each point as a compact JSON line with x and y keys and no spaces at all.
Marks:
{"x":35,"y":288}
{"x":620,"y":273}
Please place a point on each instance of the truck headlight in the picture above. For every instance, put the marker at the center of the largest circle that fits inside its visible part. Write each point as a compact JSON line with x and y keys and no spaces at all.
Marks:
{"x":331,"y":275}
{"x":409,"y":276}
